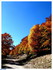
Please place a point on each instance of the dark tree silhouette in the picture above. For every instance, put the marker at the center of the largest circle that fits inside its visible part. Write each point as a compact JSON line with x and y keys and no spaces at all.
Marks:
{"x":7,"y":43}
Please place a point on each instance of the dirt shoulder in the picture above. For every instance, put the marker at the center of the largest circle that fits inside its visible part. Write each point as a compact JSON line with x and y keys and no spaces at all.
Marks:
{"x":40,"y":62}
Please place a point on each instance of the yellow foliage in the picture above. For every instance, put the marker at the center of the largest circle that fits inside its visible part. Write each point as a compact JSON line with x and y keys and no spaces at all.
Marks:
{"x":45,"y":43}
{"x":39,"y":36}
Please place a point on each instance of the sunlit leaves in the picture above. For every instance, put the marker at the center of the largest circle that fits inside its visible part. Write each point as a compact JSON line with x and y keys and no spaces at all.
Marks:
{"x":39,"y":39}
{"x":40,"y":36}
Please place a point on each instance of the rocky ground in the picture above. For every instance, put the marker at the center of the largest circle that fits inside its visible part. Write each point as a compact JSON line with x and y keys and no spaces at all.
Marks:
{"x":43,"y":62}
{"x":40,"y":62}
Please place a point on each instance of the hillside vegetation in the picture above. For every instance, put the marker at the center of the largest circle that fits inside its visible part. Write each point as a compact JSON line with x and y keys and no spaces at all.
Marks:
{"x":34,"y":50}
{"x":38,"y":40}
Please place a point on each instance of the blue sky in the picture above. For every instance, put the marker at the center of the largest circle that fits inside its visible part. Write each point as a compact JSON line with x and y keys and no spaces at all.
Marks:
{"x":19,"y":17}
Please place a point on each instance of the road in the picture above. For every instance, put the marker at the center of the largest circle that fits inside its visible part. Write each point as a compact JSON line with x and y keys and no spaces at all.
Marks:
{"x":12,"y":64}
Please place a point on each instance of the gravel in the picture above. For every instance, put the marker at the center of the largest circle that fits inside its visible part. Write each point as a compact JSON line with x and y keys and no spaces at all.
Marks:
{"x":42,"y":62}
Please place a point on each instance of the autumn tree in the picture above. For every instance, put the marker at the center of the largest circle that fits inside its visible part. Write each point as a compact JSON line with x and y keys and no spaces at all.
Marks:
{"x":7,"y":43}
{"x":15,"y":50}
{"x":39,"y":38}
{"x":34,"y":39}
{"x":22,"y":47}
{"x":46,"y":34}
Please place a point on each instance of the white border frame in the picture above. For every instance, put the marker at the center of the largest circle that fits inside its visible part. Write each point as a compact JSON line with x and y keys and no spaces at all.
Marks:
{"x":0,"y":34}
{"x":26,"y":0}
{"x":1,"y":27}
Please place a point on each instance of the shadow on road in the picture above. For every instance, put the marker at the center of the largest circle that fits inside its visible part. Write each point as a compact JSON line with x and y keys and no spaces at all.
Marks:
{"x":23,"y":61}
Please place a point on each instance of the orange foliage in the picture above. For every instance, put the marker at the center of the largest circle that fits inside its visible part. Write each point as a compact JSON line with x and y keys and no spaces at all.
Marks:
{"x":40,"y":36}
{"x":38,"y":40}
